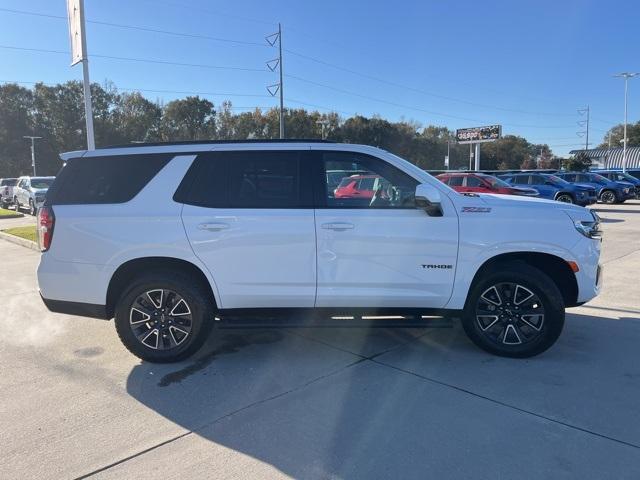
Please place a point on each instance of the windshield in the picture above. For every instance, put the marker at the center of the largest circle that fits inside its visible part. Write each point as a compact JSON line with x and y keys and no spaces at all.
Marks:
{"x":599,"y":179}
{"x":556,"y":180}
{"x":41,"y":182}
{"x":496,"y":182}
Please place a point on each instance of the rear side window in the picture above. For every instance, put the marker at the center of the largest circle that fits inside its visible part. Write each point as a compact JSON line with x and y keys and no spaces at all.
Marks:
{"x":456,"y":181}
{"x":9,"y":182}
{"x":521,"y":180}
{"x":108,"y":179}
{"x":474,"y":182}
{"x":247,"y":179}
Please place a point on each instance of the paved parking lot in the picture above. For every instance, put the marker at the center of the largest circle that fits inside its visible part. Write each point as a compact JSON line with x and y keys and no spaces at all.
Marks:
{"x":325,"y":403}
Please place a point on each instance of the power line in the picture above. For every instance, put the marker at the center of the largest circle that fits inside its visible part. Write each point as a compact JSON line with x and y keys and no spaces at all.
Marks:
{"x":387,"y":102}
{"x":423,"y":92}
{"x":140,"y":60}
{"x":143,"y":29}
{"x":179,"y":92}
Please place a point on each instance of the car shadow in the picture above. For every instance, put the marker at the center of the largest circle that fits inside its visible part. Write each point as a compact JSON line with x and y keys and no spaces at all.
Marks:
{"x":391,"y":403}
{"x":611,"y":210}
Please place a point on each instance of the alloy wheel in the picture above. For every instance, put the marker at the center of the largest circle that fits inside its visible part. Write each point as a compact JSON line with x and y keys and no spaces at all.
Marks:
{"x":608,"y":197}
{"x":565,"y":199}
{"x":160,"y":319}
{"x":509,"y":314}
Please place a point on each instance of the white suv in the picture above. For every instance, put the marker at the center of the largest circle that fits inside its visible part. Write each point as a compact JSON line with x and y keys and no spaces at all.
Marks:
{"x":168,"y":238}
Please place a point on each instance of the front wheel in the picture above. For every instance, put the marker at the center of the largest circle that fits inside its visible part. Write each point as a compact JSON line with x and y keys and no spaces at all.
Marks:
{"x":608,"y":197}
{"x":564,"y":198}
{"x":516,"y":311}
{"x":32,"y":208}
{"x":164,"y":316}
{"x":16,"y":203}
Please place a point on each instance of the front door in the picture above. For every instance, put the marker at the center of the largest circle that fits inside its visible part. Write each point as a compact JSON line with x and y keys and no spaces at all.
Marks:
{"x":381,"y":251}
{"x":249,"y":218}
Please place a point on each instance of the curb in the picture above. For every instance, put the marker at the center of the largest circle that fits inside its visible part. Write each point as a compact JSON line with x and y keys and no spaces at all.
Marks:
{"x":15,"y":215}
{"x":20,"y":241}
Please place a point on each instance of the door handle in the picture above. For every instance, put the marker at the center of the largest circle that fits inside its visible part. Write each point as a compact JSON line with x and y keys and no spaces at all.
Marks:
{"x":338,"y":226}
{"x":213,"y":227}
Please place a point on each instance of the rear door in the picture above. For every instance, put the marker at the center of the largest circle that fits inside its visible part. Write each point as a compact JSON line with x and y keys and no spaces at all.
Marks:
{"x":249,"y":218}
{"x":387,"y":252}
{"x":540,"y":184}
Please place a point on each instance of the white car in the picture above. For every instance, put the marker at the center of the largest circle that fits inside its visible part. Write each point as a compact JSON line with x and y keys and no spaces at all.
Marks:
{"x":167,"y":238}
{"x":30,"y":192}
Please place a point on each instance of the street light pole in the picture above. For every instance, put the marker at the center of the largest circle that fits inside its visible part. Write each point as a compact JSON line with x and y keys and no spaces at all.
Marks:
{"x":33,"y":151}
{"x":626,"y":76}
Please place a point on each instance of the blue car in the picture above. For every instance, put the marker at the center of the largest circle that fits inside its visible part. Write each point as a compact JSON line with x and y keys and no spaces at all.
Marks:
{"x":608,"y":190}
{"x":553,"y":188}
{"x":620,"y":176}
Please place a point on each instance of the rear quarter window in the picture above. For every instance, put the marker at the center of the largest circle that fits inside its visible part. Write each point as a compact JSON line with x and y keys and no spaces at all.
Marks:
{"x":108,"y":179}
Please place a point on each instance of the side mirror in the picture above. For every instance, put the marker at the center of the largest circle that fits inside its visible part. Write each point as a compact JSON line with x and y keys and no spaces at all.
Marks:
{"x":428,"y":198}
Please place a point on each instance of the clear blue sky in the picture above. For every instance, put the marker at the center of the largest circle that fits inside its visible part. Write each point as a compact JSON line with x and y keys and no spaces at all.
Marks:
{"x":528,"y":65}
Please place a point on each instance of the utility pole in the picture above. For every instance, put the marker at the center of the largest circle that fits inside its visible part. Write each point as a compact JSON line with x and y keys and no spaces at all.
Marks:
{"x":626,"y":76}
{"x":447,"y":158}
{"x":583,"y":124}
{"x":33,"y":151}
{"x":78,"y":38}
{"x":323,"y":124}
{"x":272,"y":64}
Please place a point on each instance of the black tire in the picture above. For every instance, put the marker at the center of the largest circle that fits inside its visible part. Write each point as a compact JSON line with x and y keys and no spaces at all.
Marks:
{"x":608,"y":197}
{"x":199,"y":304}
{"x":32,"y":208}
{"x":499,"y":337}
{"x":16,"y":203}
{"x":565,"y":198}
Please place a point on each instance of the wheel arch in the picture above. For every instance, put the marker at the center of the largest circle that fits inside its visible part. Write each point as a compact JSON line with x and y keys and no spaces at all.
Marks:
{"x":565,"y":192}
{"x":128,"y":271}
{"x":555,"y":267}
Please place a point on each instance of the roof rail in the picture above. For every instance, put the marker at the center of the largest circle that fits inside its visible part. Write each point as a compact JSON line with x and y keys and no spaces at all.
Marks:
{"x":214,"y":142}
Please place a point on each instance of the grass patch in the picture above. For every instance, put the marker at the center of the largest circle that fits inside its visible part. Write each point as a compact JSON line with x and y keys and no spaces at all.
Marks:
{"x":7,"y":213}
{"x":28,"y":233}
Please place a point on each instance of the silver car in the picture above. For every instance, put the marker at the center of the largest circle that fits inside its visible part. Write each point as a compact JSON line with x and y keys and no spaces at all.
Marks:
{"x":30,"y":192}
{"x":6,"y":191}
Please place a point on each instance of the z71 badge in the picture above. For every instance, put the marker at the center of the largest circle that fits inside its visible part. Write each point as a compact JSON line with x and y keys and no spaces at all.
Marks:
{"x":476,"y":209}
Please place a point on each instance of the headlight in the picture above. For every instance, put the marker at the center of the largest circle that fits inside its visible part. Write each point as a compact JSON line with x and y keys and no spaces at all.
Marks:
{"x":590,"y":229}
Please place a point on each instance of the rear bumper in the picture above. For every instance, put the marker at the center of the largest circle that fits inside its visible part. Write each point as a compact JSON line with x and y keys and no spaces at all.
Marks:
{"x":75,"y":308}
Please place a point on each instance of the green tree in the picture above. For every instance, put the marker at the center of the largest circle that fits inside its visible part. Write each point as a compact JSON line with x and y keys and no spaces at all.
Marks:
{"x":580,"y":162}
{"x":617,"y":135}
{"x":16,"y":109}
{"x":192,"y":118}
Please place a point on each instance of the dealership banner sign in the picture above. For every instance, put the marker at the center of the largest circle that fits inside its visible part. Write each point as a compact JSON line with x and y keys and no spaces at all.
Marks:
{"x":479,"y":134}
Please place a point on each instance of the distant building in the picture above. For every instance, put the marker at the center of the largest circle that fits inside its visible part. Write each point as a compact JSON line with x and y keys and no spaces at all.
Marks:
{"x":612,"y":157}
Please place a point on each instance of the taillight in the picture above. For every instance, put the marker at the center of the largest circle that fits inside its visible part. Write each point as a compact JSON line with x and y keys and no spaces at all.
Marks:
{"x":46,"y":222}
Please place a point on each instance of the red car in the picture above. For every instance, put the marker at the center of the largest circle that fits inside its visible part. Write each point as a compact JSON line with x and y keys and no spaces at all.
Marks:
{"x":482,"y":183}
{"x":359,"y":186}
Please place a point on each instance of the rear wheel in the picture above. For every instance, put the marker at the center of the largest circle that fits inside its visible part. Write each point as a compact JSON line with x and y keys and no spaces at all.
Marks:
{"x":517,"y":311}
{"x":608,"y":196}
{"x":564,"y":198}
{"x":16,"y":203}
{"x":164,"y":316}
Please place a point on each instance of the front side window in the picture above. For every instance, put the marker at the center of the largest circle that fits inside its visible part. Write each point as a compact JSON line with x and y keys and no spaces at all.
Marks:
{"x":378,"y":184}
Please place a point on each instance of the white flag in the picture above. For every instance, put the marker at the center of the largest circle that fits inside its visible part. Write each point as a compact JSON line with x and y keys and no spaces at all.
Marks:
{"x":76,"y":24}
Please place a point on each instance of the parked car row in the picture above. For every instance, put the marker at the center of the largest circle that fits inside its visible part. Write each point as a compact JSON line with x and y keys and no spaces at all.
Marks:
{"x":581,"y":188}
{"x":24,"y":192}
